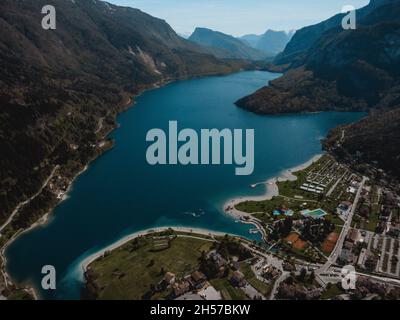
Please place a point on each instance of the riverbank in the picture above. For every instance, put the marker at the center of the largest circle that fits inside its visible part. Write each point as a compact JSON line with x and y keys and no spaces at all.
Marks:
{"x":272,"y":190}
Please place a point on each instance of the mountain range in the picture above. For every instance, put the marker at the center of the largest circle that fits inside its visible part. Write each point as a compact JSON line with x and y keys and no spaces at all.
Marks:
{"x":226,"y":46}
{"x":60,"y":90}
{"x":345,"y":70}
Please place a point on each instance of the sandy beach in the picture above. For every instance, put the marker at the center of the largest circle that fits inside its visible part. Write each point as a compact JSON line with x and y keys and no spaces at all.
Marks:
{"x":272,"y":190}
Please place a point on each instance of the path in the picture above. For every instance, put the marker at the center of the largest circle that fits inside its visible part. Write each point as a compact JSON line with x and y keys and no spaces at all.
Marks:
{"x":19,"y":206}
{"x":336,"y":184}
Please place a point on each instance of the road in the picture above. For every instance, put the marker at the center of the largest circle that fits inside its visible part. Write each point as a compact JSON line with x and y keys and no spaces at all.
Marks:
{"x":278,"y":281}
{"x":335,"y":185}
{"x":19,"y":206}
{"x":343,"y":135}
{"x":346,"y":227}
{"x":276,"y":263}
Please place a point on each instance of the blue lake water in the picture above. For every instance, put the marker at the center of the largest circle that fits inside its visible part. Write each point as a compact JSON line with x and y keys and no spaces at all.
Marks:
{"x":120,"y":193}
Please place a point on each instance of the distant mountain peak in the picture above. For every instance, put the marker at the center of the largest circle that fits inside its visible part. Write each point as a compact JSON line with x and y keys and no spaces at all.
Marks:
{"x":271,"y":41}
{"x":225,"y":46}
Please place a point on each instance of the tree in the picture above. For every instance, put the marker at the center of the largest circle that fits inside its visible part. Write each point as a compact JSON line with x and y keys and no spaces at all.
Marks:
{"x":151,"y":263}
{"x":312,"y":276}
{"x":287,"y":227}
{"x":303,"y":274}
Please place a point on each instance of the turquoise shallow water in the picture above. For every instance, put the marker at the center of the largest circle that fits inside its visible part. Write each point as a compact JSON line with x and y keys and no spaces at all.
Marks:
{"x":121,"y":193}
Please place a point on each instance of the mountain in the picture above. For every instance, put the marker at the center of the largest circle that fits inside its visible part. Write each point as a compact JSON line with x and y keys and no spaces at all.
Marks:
{"x":184,"y":35}
{"x":60,"y":90}
{"x":348,"y":70}
{"x":271,"y":41}
{"x":251,"y":39}
{"x":374,"y":140}
{"x":226,"y":46}
{"x":306,"y":37}
{"x":345,"y":70}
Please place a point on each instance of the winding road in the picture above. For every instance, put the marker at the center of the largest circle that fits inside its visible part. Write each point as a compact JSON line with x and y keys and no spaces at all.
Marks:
{"x":19,"y":206}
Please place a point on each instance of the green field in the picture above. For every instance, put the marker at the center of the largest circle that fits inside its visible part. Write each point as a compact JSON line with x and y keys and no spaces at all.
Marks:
{"x":128,"y":273}
{"x":227,"y":290}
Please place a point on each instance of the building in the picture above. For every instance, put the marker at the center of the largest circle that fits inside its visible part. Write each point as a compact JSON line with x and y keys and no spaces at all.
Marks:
{"x":189,"y":297}
{"x":346,"y":257}
{"x":351,"y":190}
{"x":217,"y":259}
{"x":394,"y":231}
{"x":238,"y":279}
{"x":197,"y":279}
{"x":269,"y":272}
{"x":169,"y":278}
{"x":355,"y":184}
{"x":363,"y":257}
{"x":367,"y":260}
{"x":344,"y":207}
{"x":210,"y":293}
{"x":353,"y":236}
{"x":348,"y":245}
{"x":181,"y":288}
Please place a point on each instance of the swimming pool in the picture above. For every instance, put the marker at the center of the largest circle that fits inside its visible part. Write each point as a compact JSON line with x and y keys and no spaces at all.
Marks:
{"x":315,"y":214}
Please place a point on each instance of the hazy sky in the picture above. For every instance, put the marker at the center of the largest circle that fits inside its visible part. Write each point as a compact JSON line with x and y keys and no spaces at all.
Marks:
{"x":239,"y":17}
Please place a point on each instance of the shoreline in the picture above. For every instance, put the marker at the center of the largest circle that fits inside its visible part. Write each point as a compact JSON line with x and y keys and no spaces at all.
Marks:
{"x":85,"y":263}
{"x":45,"y":219}
{"x":127,"y":103}
{"x":130,"y":102}
{"x":272,"y":190}
{"x":243,"y":217}
{"x":42,"y":221}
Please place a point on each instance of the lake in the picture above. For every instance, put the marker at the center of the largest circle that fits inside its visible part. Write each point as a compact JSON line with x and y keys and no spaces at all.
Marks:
{"x":121,"y":193}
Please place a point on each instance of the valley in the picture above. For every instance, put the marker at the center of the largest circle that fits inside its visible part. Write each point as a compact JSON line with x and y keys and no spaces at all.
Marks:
{"x":78,"y":108}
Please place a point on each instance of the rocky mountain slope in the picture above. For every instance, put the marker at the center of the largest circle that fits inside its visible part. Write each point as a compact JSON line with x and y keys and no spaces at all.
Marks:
{"x":306,"y":37}
{"x":226,"y":46}
{"x":374,"y":140}
{"x":348,"y":70}
{"x":60,"y":90}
